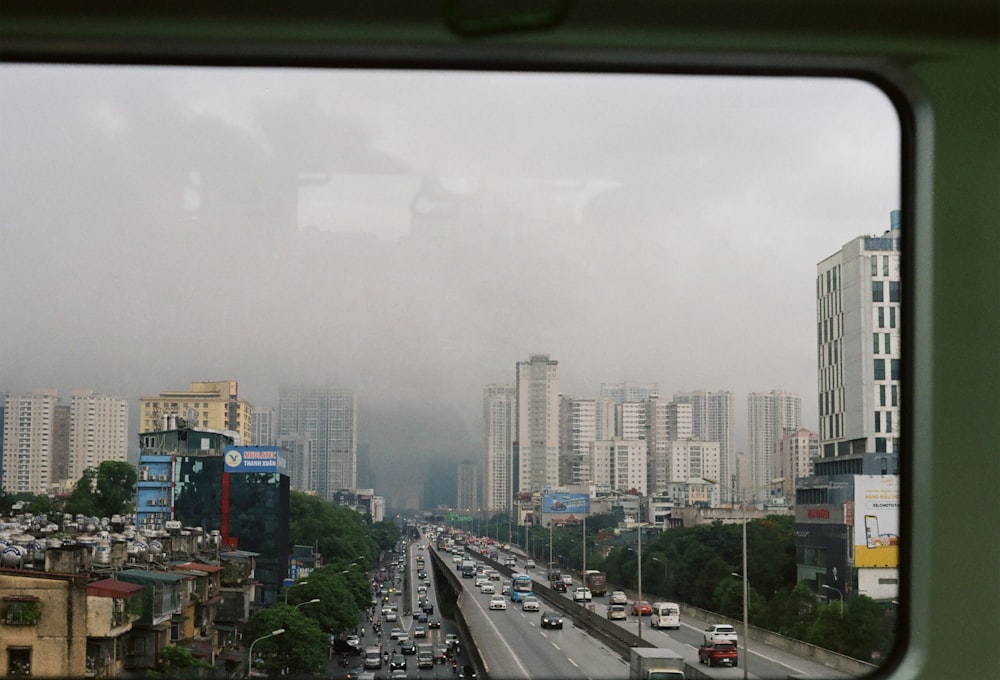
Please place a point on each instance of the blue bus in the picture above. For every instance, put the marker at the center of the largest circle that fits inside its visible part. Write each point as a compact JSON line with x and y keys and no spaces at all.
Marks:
{"x":520,"y":587}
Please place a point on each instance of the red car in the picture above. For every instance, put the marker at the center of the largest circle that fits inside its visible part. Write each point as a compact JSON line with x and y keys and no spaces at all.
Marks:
{"x":641,"y":607}
{"x":559,"y":586}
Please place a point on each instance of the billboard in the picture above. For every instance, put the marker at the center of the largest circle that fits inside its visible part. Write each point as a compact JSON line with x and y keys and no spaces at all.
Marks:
{"x":876,"y":521}
{"x":566,"y":503}
{"x":255,"y":459}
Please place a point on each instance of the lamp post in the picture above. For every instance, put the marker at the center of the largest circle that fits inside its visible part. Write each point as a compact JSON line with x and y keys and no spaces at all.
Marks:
{"x":297,"y":583}
{"x":279,"y":631}
{"x":639,"y":584}
{"x":654,"y":558}
{"x":841,"y":598}
{"x":312,"y":601}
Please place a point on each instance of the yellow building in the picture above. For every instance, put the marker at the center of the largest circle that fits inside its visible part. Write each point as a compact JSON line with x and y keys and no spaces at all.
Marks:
{"x":43,"y":624}
{"x":212,"y":405}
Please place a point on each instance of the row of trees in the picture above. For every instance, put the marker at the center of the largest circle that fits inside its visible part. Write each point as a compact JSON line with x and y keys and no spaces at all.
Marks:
{"x":697,"y":565}
{"x":104,"y":491}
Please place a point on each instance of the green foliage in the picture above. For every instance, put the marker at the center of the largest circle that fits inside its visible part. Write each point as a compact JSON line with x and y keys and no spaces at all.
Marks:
{"x":337,"y":532}
{"x":301,"y":649}
{"x":384,"y":534}
{"x":108,"y":490}
{"x":177,"y":662}
{"x":36,"y":504}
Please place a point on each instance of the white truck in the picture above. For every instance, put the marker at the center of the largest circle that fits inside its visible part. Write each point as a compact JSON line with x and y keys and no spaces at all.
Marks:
{"x":655,"y":663}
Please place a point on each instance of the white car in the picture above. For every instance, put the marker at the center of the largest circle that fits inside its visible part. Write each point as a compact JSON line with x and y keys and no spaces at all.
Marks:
{"x":530,"y":564}
{"x":582,"y":595}
{"x":487,"y":588}
{"x":530,"y":604}
{"x":618,"y":597}
{"x":498,"y":602}
{"x":720,"y":632}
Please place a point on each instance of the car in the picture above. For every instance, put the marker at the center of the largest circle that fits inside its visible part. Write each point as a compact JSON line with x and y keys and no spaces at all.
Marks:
{"x":618,"y":597}
{"x":398,"y":661}
{"x":398,"y":674}
{"x":440,"y":653}
{"x":487,"y":588}
{"x":421,"y":616}
{"x":551,"y":619}
{"x":395,"y":633}
{"x":355,"y":672}
{"x":480,"y":580}
{"x":408,"y":647}
{"x":494,"y":575}
{"x":498,"y":602}
{"x":559,"y":586}
{"x":582,"y":594}
{"x":567,"y":579}
{"x":452,"y":641}
{"x":353,"y":641}
{"x":718,"y":632}
{"x":419,"y":631}
{"x":427,"y":581}
{"x":530,"y":564}
{"x":641,"y":608}
{"x":433,"y":622}
{"x":467,"y":673}
{"x":505,"y":589}
{"x":427,"y":608}
{"x":403,"y":637}
{"x":391,"y":616}
{"x":530,"y":604}
{"x":616,"y":612}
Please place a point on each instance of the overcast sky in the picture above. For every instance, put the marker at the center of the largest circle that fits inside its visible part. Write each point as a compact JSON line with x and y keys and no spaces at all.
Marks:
{"x":413,"y":235}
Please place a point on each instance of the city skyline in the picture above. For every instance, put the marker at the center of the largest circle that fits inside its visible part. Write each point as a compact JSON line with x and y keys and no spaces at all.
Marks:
{"x":167,"y":225}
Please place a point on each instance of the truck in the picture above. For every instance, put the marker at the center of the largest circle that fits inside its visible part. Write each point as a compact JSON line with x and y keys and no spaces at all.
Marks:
{"x":468,"y":569}
{"x":655,"y":663}
{"x":596,"y":581}
{"x":718,"y":652}
{"x":425,"y":656}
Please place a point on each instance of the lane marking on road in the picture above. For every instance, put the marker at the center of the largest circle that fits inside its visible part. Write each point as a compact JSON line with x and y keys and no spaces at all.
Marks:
{"x":572,"y":662}
{"x":500,"y":637}
{"x":556,"y":646}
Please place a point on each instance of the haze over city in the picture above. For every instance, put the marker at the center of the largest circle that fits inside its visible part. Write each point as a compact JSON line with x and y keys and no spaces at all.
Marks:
{"x":413,"y":235}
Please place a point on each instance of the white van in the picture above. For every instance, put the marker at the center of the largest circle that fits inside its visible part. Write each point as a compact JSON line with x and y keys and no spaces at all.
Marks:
{"x":665,"y":615}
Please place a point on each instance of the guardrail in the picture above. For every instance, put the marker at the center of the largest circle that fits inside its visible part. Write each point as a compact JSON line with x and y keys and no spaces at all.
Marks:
{"x":441,"y":568}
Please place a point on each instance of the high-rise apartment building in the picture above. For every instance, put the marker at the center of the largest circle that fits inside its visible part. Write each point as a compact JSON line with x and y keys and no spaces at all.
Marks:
{"x":499,"y":415}
{"x":621,"y":392}
{"x":770,"y":415}
{"x":665,"y":422}
{"x":264,"y":426}
{"x":211,"y":405}
{"x":27,"y":441}
{"x":693,"y":461}
{"x":467,"y":495}
{"x":328,"y":417}
{"x":59,"y":466}
{"x":712,"y":421}
{"x":98,"y":431}
{"x":796,"y":453}
{"x":859,"y":316}
{"x":619,"y":465}
{"x":537,"y":423}
{"x":581,"y":422}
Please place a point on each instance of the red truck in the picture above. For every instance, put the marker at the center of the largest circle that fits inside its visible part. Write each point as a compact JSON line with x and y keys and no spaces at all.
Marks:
{"x":718,"y":652}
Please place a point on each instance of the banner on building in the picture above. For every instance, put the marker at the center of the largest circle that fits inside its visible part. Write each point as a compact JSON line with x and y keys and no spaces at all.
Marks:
{"x":876,"y":521}
{"x":255,"y":459}
{"x":566,"y":503}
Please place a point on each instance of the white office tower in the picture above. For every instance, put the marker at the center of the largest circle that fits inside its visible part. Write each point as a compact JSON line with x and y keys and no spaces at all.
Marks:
{"x":666,"y":422}
{"x":694,"y":461}
{"x":537,"y":423}
{"x":619,"y":464}
{"x":264,"y":425}
{"x":499,"y":415}
{"x":98,"y":431}
{"x":858,"y":305}
{"x":630,"y":420}
{"x":770,"y":415}
{"x":28,"y":440}
{"x":712,"y":421}
{"x":328,"y":417}
{"x":621,"y":392}
{"x":467,"y":495}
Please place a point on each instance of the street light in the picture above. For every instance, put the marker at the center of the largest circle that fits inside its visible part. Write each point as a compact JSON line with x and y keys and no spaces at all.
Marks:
{"x":654,"y":558}
{"x":279,"y":631}
{"x":297,"y":583}
{"x":841,"y":598}
{"x":312,"y":601}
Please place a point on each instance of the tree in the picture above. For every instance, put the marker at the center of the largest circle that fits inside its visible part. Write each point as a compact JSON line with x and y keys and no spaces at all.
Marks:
{"x":384,"y":534}
{"x":108,"y":490}
{"x":301,"y":650}
{"x":177,"y":663}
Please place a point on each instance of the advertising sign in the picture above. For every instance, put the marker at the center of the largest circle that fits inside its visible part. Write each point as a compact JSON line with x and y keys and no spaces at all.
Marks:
{"x":876,"y":521}
{"x":566,"y":503}
{"x":255,"y":459}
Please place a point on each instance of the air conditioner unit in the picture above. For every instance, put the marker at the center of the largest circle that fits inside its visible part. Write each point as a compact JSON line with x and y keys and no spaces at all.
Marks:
{"x":163,"y":478}
{"x":150,"y":502}
{"x":163,"y":501}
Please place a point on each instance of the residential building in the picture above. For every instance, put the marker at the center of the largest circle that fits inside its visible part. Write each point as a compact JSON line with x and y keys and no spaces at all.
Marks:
{"x":60,"y":464}
{"x":29,"y":420}
{"x":621,"y":392}
{"x":712,"y":421}
{"x":328,"y":417}
{"x":98,"y":431}
{"x":665,"y":422}
{"x":208,"y":405}
{"x":467,"y":496}
{"x":581,"y":422}
{"x":537,"y":423}
{"x":693,"y":461}
{"x":796,"y":453}
{"x":112,"y":607}
{"x":619,"y":464}
{"x":264,"y":425}
{"x":499,"y":415}
{"x":770,"y":415}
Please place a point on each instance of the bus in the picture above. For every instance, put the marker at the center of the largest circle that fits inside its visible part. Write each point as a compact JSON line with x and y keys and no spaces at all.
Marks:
{"x":520,"y":587}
